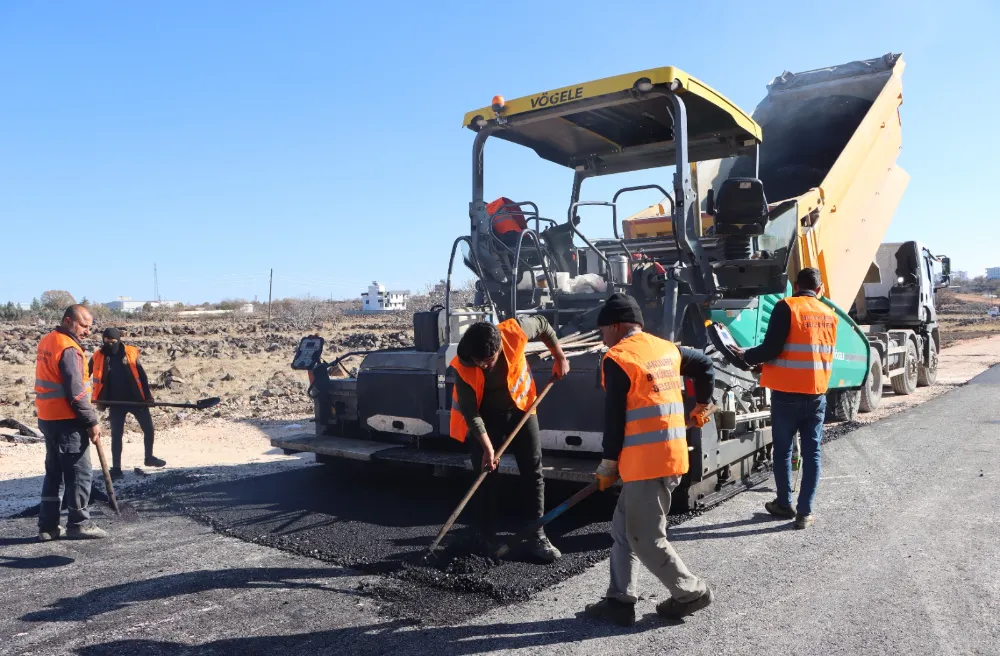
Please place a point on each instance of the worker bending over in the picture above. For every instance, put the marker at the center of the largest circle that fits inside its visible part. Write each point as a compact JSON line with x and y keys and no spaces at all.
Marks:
{"x":493,"y":389}
{"x":118,"y":376}
{"x":645,"y":443}
{"x":69,"y":424}
{"x":797,"y":357}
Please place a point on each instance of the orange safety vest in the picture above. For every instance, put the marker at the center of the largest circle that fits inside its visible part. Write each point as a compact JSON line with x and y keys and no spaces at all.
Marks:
{"x":806,"y":363}
{"x":519,"y":380}
{"x":131,"y":356}
{"x":511,"y":221}
{"x":655,"y":426}
{"x":51,"y":403}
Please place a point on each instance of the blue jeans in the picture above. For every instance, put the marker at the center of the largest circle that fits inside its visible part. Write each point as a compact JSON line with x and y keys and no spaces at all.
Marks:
{"x":802,"y":414}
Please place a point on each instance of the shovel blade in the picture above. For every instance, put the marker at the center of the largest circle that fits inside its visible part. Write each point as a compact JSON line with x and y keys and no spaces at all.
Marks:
{"x":204,"y":404}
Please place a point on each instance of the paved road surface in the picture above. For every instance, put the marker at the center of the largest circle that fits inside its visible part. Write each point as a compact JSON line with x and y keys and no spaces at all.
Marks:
{"x":903,"y":560}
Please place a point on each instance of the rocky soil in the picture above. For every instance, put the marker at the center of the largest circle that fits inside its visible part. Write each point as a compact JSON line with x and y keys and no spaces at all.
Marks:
{"x":239,"y":361}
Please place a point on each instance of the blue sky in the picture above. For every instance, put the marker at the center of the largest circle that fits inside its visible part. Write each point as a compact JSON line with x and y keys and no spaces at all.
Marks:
{"x":324,"y":140}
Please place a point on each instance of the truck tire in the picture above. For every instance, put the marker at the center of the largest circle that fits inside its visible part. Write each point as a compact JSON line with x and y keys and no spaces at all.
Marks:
{"x":905,"y":383}
{"x":871,"y":393}
{"x":843,"y":405}
{"x":927,"y":376}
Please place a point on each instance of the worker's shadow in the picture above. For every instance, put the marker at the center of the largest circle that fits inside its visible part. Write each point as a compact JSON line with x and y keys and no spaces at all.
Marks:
{"x":23,"y":562}
{"x":106,"y":600}
{"x":761,"y":522}
{"x":396,"y":637}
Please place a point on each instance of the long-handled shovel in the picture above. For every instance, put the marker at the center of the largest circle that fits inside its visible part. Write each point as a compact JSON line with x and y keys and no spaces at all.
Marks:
{"x":125,"y":511}
{"x":201,"y":404}
{"x":482,"y":476}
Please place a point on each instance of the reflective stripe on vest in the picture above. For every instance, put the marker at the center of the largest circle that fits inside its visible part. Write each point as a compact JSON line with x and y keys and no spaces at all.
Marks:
{"x":655,"y":433}
{"x":519,"y":381}
{"x":131,"y":358}
{"x":51,"y":403}
{"x":805,"y":364}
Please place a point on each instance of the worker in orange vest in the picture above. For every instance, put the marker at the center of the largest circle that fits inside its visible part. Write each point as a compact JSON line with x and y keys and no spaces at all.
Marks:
{"x":69,"y":423}
{"x":508,"y":220}
{"x":797,"y":358}
{"x":118,"y":376}
{"x":493,"y":389}
{"x":645,"y":444}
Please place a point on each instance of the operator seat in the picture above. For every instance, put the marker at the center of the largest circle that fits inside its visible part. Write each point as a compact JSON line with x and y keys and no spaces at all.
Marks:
{"x":740,"y":214}
{"x":508,"y":224}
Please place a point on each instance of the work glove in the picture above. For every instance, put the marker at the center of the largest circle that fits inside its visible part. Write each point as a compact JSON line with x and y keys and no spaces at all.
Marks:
{"x":701,"y":414}
{"x":607,"y":474}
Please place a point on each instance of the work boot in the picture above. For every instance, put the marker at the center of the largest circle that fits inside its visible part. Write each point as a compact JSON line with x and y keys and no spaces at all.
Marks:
{"x":153,"y":461}
{"x":116,"y":473}
{"x":613,"y":611}
{"x":804,"y":521}
{"x":776,"y":509}
{"x":543,"y":550}
{"x":671,"y":609}
{"x":49,"y":535}
{"x":88,"y":531}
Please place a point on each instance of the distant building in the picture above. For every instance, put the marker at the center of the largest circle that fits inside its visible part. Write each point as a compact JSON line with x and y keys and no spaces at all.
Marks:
{"x":993,"y":273}
{"x":128,"y":306}
{"x":377,"y":299}
{"x":960,"y":276}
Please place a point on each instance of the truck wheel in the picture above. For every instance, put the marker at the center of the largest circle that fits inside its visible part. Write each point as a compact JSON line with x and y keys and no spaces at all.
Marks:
{"x":871,"y":393}
{"x":927,"y":376}
{"x":843,"y":405}
{"x":906,"y":382}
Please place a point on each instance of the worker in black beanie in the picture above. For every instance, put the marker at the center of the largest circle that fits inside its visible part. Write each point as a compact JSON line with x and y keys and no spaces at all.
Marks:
{"x":645,"y":445}
{"x":117,"y":375}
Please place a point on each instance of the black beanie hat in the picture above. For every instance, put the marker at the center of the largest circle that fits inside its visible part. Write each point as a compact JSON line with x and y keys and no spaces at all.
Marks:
{"x":112,"y":333}
{"x":619,"y":308}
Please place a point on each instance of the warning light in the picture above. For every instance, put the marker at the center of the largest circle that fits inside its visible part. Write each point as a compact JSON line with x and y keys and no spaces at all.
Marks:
{"x":708,"y":322}
{"x":498,"y":104}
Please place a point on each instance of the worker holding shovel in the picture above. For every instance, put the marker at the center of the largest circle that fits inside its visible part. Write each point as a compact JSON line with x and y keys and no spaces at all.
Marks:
{"x":645,"y":443}
{"x":493,"y":390}
{"x":119,"y":377}
{"x":70,"y":425}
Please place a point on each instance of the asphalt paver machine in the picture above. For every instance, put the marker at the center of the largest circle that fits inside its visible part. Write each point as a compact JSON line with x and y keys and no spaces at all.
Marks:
{"x":708,"y":280}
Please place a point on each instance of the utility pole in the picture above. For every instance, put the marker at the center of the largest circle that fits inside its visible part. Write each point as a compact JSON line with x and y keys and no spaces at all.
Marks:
{"x":270,"y":287}
{"x":156,"y":284}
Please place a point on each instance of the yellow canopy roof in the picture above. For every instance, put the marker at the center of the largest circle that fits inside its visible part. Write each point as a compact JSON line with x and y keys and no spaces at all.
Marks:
{"x":619,"y":116}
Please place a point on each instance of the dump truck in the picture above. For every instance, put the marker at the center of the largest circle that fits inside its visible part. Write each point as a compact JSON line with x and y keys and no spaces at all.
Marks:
{"x":832,"y":143}
{"x":745,"y":215}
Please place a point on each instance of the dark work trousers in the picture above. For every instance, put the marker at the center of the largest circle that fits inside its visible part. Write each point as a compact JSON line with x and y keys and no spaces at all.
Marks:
{"x":67,"y":472}
{"x":527,"y":451}
{"x":117,"y":415}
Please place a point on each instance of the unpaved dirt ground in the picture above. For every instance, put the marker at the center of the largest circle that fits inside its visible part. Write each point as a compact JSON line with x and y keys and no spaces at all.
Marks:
{"x":964,"y":316}
{"x":238,"y":361}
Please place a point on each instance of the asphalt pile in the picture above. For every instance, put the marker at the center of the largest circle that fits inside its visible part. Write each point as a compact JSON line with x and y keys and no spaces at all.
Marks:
{"x":381,"y":521}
